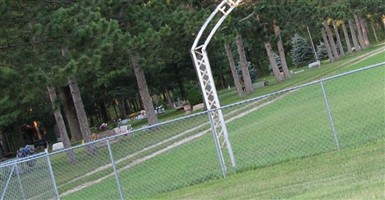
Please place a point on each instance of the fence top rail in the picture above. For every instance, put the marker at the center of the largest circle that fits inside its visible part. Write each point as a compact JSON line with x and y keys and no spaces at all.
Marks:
{"x":354,"y":71}
{"x":14,"y":161}
{"x":131,"y":132}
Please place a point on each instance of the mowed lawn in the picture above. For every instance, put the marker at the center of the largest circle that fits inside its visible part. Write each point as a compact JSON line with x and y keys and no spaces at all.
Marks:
{"x":352,"y":173}
{"x":289,"y":135}
{"x":357,"y":171}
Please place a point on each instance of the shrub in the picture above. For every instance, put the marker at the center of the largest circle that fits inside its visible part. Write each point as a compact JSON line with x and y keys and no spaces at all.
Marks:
{"x":321,"y":51}
{"x":194,"y":95}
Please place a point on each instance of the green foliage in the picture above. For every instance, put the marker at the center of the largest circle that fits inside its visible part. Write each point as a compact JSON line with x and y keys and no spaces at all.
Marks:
{"x":194,"y":95}
{"x":301,"y":52}
{"x":92,"y":37}
{"x":9,"y":114}
{"x":321,"y":51}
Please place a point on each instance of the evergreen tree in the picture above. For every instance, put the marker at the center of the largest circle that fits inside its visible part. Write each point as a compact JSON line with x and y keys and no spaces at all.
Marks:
{"x":301,"y":51}
{"x":321,"y":51}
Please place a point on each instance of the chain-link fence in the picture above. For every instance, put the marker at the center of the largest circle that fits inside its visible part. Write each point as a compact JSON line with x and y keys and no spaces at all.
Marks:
{"x":326,"y":115}
{"x":28,"y":178}
{"x":339,"y":112}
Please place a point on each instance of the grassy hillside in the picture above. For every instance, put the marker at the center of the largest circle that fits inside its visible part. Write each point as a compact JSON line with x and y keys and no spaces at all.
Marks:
{"x":354,"y":173}
{"x":285,"y":138}
{"x":288,"y":127}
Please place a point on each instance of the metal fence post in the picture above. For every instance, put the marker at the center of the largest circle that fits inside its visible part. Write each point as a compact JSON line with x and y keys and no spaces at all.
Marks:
{"x":115,"y":171}
{"x":19,"y":180}
{"x":218,"y":146}
{"x":52,"y":175}
{"x":330,"y":115}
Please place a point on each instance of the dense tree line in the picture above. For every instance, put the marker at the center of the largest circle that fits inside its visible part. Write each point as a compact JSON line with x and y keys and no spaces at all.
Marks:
{"x":79,"y":63}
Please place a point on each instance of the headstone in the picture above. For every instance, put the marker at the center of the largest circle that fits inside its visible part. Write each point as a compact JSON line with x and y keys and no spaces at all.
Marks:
{"x":198,"y":106}
{"x":57,"y":146}
{"x":314,"y":64}
{"x":260,"y":84}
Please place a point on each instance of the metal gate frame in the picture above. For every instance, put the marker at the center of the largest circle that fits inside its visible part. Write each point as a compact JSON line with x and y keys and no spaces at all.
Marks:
{"x":202,"y":66}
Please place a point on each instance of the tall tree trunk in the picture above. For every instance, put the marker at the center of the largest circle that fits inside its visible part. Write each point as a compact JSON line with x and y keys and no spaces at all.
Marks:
{"x":3,"y":145}
{"x":81,"y":114}
{"x":101,"y":104}
{"x":374,"y":31}
{"x":168,"y":97}
{"x":60,"y":124}
{"x":281,"y":51}
{"x":342,"y":52}
{"x":128,"y":106}
{"x":354,"y":36}
{"x":365,"y":31}
{"x":383,"y":21}
{"x":122,"y":110}
{"x":331,"y":41}
{"x":359,"y":31}
{"x":243,"y":62}
{"x":143,"y":90}
{"x":179,"y":81}
{"x":346,"y":35}
{"x":274,"y":66}
{"x":327,"y":45}
{"x":138,"y":103}
{"x":70,"y":114}
{"x":155,"y":99}
{"x":312,"y":44}
{"x":115,"y":110}
{"x":103,"y":111}
{"x":236,"y":78}
{"x":222,"y":80}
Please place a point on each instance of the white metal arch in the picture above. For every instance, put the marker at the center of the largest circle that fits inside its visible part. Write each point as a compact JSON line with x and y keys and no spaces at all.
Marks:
{"x":202,"y":65}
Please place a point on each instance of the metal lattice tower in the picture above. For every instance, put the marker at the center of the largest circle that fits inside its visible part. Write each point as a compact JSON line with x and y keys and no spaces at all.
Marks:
{"x":202,"y":65}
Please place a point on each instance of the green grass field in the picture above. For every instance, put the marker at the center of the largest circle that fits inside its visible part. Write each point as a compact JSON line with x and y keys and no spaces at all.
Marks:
{"x":292,"y":128}
{"x":352,"y":173}
{"x":280,"y":138}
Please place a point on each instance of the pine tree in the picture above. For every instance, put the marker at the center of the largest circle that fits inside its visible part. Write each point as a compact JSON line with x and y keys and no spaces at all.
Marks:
{"x":301,"y":52}
{"x":321,"y":51}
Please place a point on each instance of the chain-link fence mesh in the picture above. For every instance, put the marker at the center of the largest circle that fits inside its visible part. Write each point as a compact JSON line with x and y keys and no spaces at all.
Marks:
{"x":148,"y":161}
{"x":318,"y":117}
{"x":357,"y":102}
{"x":279,"y":127}
{"x":28,"y":178}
